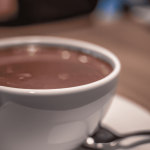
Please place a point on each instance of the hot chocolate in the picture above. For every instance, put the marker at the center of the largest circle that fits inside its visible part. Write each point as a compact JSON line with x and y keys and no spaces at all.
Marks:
{"x":49,"y":67}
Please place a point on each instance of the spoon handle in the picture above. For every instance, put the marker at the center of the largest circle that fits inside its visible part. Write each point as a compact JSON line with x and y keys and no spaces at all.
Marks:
{"x":134,"y":140}
{"x":136,"y":134}
{"x":122,"y":143}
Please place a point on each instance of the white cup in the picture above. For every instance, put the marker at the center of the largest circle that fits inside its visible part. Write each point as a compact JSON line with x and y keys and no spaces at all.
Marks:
{"x":55,"y":119}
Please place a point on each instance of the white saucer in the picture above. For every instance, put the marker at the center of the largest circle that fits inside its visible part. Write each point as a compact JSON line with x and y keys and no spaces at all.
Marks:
{"x":125,"y":117}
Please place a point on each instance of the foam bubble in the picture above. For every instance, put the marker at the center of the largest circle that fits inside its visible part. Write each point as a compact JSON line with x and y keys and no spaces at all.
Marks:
{"x":83,"y":59}
{"x":65,"y":55}
{"x":25,"y":75}
{"x":63,"y":76}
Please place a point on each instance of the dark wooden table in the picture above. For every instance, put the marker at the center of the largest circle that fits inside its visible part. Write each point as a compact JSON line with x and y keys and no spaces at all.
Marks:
{"x":127,"y":39}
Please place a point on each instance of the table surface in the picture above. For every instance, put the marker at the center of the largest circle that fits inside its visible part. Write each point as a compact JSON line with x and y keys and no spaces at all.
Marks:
{"x":129,"y":41}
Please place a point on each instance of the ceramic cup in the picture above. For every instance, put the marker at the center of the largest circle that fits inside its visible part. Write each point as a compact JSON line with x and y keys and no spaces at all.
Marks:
{"x":55,"y":119}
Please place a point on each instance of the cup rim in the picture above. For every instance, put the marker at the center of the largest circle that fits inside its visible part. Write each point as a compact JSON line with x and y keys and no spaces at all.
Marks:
{"x":61,"y":40}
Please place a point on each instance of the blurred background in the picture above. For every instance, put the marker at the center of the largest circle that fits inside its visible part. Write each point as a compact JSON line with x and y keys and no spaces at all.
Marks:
{"x":122,"y":26}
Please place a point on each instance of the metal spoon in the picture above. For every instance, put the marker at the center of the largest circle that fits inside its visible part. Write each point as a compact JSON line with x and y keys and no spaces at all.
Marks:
{"x":106,"y":140}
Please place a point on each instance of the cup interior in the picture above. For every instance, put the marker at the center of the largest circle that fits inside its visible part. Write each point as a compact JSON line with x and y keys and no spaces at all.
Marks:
{"x":75,"y":45}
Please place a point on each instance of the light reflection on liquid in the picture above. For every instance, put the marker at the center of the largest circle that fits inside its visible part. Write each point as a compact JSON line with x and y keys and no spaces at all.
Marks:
{"x":104,"y":70}
{"x":24,"y":75}
{"x":83,"y":59}
{"x":21,"y":78}
{"x":63,"y":76}
{"x":32,"y":50}
{"x":65,"y":55}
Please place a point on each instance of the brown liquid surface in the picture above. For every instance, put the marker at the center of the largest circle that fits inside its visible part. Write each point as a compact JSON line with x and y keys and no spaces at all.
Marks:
{"x":43,"y":67}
